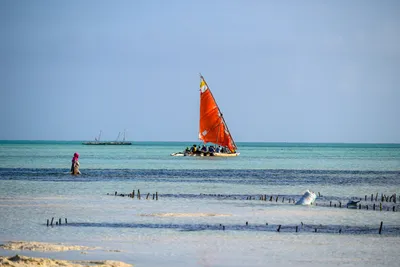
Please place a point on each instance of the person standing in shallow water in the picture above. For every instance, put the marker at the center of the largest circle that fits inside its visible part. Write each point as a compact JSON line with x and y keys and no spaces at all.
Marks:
{"x":75,"y":164}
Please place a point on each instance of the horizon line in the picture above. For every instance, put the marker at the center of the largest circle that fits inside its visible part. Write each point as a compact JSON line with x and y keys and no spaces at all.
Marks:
{"x":170,"y":141}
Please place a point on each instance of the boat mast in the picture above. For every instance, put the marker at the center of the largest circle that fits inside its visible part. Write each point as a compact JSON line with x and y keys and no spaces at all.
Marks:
{"x":223,"y":120}
{"x":119,"y":133}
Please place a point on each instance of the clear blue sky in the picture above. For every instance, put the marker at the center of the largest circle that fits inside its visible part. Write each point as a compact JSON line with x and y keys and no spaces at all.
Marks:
{"x":281,"y":71}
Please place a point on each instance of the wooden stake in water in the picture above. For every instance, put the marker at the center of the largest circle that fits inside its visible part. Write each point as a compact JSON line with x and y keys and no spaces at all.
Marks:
{"x":47,"y":222}
{"x":279,"y":228}
{"x":380,"y":228}
{"x":52,"y":219}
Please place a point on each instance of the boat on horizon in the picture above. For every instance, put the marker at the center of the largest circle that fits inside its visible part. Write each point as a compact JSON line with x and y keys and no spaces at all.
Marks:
{"x":116,"y":142}
{"x":212,"y":128}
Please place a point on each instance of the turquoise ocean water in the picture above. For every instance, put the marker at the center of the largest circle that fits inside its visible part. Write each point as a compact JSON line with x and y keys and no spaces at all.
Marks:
{"x":197,"y":197}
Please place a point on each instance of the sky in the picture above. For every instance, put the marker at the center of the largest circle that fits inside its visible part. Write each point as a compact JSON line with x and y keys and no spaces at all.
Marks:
{"x":281,"y":71}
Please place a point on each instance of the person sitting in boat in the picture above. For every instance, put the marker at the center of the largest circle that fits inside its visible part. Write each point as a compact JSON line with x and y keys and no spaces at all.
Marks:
{"x":211,"y":149}
{"x":187,"y":150}
{"x":193,"y":149}
{"x":223,"y":150}
{"x":218,"y":149}
{"x":204,"y":148}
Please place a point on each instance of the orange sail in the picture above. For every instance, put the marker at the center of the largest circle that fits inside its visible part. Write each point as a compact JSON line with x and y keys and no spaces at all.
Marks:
{"x":213,"y":128}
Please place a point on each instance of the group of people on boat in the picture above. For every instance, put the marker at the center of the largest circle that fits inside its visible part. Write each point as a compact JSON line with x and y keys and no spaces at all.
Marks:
{"x":203,"y":149}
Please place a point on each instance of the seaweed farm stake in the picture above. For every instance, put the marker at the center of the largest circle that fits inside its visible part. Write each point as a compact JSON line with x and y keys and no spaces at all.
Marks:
{"x":138,"y":194}
{"x":380,"y":228}
{"x":52,"y":221}
{"x":148,"y":194}
{"x":279,"y":228}
{"x":47,"y":222}
{"x":66,"y":221}
{"x":156,"y":195}
{"x":59,"y":221}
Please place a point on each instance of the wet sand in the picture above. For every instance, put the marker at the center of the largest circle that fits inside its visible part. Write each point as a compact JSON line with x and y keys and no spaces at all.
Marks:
{"x":24,"y":261}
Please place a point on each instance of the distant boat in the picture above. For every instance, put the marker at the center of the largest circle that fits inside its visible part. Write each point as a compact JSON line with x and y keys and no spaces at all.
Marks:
{"x":212,"y":127}
{"x":116,"y":142}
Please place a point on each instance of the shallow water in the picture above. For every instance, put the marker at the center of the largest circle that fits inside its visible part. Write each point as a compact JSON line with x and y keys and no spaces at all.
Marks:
{"x":203,"y":204}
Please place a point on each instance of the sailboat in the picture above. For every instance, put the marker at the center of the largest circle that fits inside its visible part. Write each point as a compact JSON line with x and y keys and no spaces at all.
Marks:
{"x":212,"y":128}
{"x":116,"y":142}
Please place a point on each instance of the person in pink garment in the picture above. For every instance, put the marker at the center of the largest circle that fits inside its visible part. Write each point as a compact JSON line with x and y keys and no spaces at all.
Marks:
{"x":75,"y":164}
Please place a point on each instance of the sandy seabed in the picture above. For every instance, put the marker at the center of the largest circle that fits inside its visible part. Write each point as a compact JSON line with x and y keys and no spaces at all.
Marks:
{"x":23,"y":261}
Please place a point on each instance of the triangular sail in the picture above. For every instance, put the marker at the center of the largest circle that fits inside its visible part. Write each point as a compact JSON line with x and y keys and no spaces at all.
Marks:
{"x":213,"y":128}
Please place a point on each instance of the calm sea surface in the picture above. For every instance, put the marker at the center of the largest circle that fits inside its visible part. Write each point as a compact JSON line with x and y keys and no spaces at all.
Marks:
{"x":198,"y":197}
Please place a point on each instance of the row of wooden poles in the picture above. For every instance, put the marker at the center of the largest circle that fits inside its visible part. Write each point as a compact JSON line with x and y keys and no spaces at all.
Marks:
{"x":272,"y":198}
{"x":297,"y":228}
{"x":383,"y":198}
{"x":57,"y":222}
{"x":360,"y":206}
{"x":132,"y":195}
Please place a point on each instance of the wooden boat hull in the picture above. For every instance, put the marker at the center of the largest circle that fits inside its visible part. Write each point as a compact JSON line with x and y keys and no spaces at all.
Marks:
{"x":181,"y":154}
{"x":226,"y":154}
